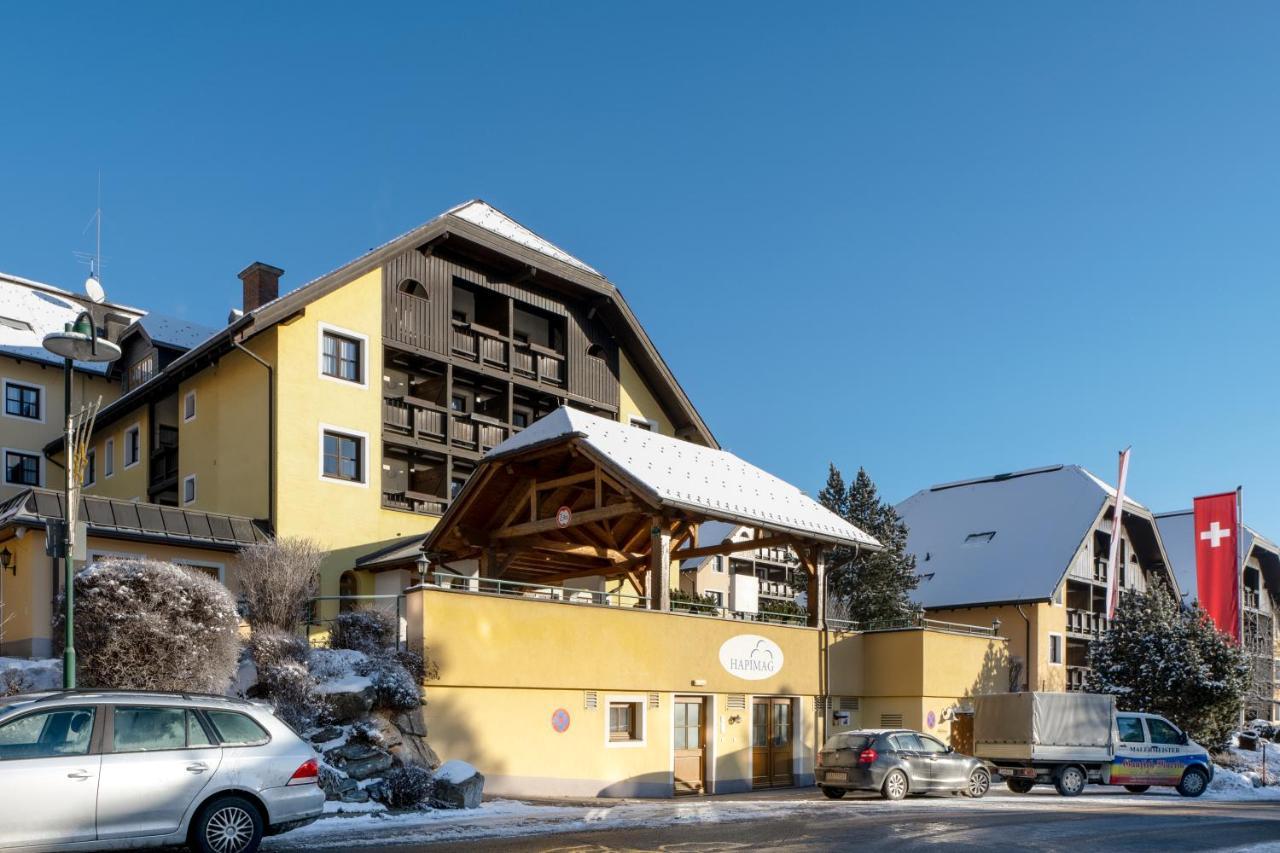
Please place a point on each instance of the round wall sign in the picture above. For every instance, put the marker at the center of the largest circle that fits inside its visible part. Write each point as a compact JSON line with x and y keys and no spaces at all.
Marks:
{"x":932,"y":719}
{"x":751,"y":657}
{"x":564,"y":516}
{"x":560,"y":720}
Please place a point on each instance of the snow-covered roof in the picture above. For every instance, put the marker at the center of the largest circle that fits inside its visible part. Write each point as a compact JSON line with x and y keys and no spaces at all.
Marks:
{"x":690,"y":476}
{"x":1177,"y":531}
{"x":1009,"y":537}
{"x":175,"y":332}
{"x":30,"y":310}
{"x":486,"y":216}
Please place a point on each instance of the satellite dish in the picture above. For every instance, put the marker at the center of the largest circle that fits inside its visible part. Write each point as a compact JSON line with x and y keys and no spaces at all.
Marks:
{"x":93,"y":288}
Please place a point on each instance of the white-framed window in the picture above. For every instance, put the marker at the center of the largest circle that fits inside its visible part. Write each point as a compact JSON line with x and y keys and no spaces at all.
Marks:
{"x":343,"y":355}
{"x":23,"y":467}
{"x":23,"y":400}
{"x":90,"y":468}
{"x":109,"y":457}
{"x":625,"y":721}
{"x":344,"y":456}
{"x":189,"y":489}
{"x":189,"y":407}
{"x":646,"y":424}
{"x":132,"y":446}
{"x":1055,"y":649}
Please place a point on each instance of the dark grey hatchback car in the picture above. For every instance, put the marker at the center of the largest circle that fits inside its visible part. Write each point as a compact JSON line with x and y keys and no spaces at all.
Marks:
{"x":897,"y":762}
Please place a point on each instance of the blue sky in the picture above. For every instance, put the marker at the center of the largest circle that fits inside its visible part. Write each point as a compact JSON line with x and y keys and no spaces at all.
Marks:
{"x":939,"y":240}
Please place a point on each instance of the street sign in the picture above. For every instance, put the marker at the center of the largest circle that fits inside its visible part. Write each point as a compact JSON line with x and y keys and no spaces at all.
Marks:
{"x":564,"y":517}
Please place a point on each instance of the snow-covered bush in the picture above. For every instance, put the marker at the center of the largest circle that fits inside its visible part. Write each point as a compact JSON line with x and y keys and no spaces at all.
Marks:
{"x":278,"y":579}
{"x":334,"y":664}
{"x":284,"y":678}
{"x":148,"y":625}
{"x":20,"y":675}
{"x":368,"y":631}
{"x":421,"y":668}
{"x":396,"y":687}
{"x":408,"y":786}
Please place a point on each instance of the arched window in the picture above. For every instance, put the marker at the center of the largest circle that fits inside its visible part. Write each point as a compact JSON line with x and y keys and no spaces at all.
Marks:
{"x":595,"y":351}
{"x":413,"y":287}
{"x":347,"y":587}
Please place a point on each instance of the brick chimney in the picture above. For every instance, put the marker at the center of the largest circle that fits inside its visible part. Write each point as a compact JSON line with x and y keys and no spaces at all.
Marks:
{"x":261,"y":284}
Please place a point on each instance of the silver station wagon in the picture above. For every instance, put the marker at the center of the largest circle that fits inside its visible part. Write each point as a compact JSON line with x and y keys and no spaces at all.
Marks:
{"x":94,"y":770}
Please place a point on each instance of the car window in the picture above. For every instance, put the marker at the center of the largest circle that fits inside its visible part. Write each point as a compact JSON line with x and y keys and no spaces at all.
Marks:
{"x":196,"y":735}
{"x":906,"y":743}
{"x":847,"y":741}
{"x":141,"y":729}
{"x":928,"y":744}
{"x":1131,"y":730}
{"x":1162,"y":732}
{"x":236,"y":729}
{"x":46,"y":734}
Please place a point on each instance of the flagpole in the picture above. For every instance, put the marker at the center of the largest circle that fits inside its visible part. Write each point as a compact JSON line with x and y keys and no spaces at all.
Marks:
{"x":1244,"y":642}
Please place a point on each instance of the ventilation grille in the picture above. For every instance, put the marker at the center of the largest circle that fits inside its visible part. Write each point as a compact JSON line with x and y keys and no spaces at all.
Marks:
{"x":654,"y":700}
{"x":848,"y":703}
{"x":890,"y":721}
{"x":590,"y":700}
{"x":821,"y":703}
{"x":736,"y":702}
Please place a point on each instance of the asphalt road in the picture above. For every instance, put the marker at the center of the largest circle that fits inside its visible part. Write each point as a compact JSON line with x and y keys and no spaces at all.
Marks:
{"x":1128,"y":823}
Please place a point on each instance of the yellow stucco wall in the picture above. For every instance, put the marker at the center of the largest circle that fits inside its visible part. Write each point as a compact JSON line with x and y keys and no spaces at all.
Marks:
{"x":1044,"y":618}
{"x":30,"y":436}
{"x":636,"y":400}
{"x":125,"y":483}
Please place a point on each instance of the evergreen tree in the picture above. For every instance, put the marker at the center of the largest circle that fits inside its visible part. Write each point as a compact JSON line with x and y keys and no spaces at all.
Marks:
{"x":873,"y":585}
{"x":1160,"y":658}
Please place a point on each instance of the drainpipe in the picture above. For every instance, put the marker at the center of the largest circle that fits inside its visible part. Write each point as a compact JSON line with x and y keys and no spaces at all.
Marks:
{"x":271,"y":433}
{"x":1026,"y":653}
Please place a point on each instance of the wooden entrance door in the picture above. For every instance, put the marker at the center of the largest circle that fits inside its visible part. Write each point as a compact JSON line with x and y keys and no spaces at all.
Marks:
{"x":772,"y":736}
{"x":689,"y":742}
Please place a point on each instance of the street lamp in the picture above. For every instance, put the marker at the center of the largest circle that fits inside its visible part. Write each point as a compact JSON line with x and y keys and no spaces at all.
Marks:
{"x":78,"y":341}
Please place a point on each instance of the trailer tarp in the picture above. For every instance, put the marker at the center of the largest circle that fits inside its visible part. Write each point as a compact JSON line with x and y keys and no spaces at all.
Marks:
{"x":1044,"y":719}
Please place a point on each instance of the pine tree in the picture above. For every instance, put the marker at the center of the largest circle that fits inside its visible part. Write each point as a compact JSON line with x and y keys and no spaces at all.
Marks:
{"x":873,"y":585}
{"x":1160,"y":658}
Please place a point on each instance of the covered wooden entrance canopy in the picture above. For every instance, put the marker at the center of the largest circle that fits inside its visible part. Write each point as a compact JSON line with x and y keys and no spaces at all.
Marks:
{"x":577,"y":496}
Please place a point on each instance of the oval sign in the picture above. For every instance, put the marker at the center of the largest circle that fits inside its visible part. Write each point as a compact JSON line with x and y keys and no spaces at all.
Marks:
{"x":751,"y":657}
{"x":564,"y":516}
{"x":560,"y":720}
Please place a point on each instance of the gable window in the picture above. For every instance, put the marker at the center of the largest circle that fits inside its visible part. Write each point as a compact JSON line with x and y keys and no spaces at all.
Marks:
{"x":132,"y":446}
{"x":596,"y":351}
{"x":90,"y":468}
{"x":643,"y":423}
{"x":343,"y":457}
{"x":413,"y":288}
{"x":1055,"y":648}
{"x":189,"y":406}
{"x":341,"y":357}
{"x":109,"y":457}
{"x":189,"y":489}
{"x":22,"y":401}
{"x":21,"y":469}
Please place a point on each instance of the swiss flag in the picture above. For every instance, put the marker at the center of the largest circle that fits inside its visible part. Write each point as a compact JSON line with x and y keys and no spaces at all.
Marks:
{"x":1217,"y":561}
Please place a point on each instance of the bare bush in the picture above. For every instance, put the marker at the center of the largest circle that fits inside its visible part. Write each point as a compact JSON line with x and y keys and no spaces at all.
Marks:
{"x":278,"y":579}
{"x":148,"y":625}
{"x":370,"y":631}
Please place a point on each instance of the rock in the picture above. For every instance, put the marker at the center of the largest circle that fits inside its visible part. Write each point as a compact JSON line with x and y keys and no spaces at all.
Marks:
{"x":458,"y":785}
{"x":359,"y":795}
{"x":412,"y":722}
{"x":360,"y":760}
{"x":381,"y":731}
{"x":415,"y":751}
{"x":335,"y":786}
{"x":325,"y":735}
{"x":378,"y":791}
{"x":352,"y":702}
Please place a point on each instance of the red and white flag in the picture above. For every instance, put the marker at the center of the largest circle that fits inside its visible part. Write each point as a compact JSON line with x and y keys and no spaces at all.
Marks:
{"x":1218,"y":560}
{"x":1117,"y":528}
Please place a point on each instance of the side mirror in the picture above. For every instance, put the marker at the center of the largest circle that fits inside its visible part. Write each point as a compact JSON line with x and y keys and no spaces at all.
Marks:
{"x":1183,"y":739}
{"x":950,"y":749}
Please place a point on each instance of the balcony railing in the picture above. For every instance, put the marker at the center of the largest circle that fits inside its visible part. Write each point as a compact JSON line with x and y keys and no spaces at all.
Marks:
{"x":414,"y":419}
{"x":1085,"y":623}
{"x":1100,"y":569}
{"x":164,"y":466}
{"x":480,"y":344}
{"x":411,"y":501}
{"x":778,"y":589}
{"x":909,"y":622}
{"x":1252,"y":598}
{"x":538,"y":363}
{"x":1076,"y":677}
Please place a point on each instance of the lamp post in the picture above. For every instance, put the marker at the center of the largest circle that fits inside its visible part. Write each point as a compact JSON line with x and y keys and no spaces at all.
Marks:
{"x":78,"y":341}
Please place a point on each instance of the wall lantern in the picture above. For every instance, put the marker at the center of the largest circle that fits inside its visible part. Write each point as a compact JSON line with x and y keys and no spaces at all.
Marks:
{"x":424,"y":568}
{"x":9,"y":561}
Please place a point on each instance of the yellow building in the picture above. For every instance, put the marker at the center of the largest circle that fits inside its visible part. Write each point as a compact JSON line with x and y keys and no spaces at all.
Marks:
{"x":352,"y":409}
{"x":1029,"y":553}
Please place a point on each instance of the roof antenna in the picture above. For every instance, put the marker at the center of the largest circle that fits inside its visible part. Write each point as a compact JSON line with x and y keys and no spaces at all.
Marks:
{"x":93,"y":284}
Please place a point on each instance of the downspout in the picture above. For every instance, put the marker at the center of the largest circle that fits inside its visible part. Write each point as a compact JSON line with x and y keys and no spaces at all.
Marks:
{"x":1026,"y":653}
{"x":271,"y":433}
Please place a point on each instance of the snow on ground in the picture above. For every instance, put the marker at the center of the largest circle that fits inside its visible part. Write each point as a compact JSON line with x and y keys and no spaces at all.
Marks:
{"x":509,"y":818}
{"x":1241,"y":771}
{"x":30,"y":675}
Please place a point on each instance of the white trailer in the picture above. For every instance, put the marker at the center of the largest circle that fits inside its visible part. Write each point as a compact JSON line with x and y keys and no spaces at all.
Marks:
{"x":1071,"y":739}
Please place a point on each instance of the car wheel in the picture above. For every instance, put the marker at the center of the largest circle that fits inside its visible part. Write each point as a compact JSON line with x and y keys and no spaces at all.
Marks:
{"x":979,"y":784}
{"x":1020,"y":786}
{"x":1137,"y":789}
{"x":1071,"y":780}
{"x":1194,"y":782}
{"x":895,"y":785}
{"x":832,"y":793}
{"x":227,"y":825}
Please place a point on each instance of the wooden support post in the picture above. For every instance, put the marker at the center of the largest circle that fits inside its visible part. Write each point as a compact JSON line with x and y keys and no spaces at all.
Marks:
{"x":817,"y":590}
{"x":659,"y":580}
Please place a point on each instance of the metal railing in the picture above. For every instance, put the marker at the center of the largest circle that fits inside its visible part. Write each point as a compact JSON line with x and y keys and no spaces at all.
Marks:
{"x":1087,"y":623}
{"x":912,"y":622}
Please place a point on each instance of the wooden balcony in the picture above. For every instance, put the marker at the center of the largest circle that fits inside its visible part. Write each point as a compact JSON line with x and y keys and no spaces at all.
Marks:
{"x":410,"y":501}
{"x":480,"y":344}
{"x":464,"y":432}
{"x":1076,"y":677}
{"x":1086,"y":624}
{"x":1100,"y":570}
{"x":777,"y":589}
{"x":538,"y":363}
{"x":1252,"y":598}
{"x":418,"y":419}
{"x":164,"y":468}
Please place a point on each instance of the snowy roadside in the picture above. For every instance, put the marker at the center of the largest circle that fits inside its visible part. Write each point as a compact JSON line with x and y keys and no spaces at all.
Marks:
{"x":509,"y":818}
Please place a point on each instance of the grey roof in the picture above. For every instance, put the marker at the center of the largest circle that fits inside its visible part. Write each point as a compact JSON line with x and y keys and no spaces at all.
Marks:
{"x":1038,"y":518}
{"x":115,"y":518}
{"x":401,"y":550}
{"x":174,"y":332}
{"x":1177,"y":531}
{"x":684,"y":475}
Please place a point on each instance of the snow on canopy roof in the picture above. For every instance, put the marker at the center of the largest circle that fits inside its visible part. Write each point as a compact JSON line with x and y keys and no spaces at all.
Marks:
{"x":998,"y":539}
{"x":486,"y":216}
{"x":30,"y":310}
{"x":1177,"y":531}
{"x":682,"y":474}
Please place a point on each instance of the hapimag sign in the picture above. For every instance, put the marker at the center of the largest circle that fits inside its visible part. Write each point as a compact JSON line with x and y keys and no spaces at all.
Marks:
{"x":751,"y":657}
